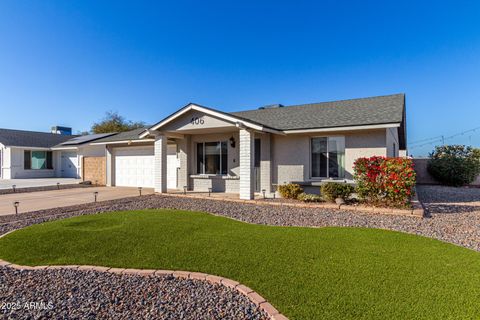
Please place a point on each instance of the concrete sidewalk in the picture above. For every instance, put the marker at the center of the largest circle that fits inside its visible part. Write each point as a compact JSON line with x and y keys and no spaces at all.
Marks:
{"x":41,"y":200}
{"x":39,"y":182}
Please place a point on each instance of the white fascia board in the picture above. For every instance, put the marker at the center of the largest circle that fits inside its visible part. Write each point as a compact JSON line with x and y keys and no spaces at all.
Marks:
{"x":350,"y":128}
{"x":64,"y":148}
{"x":212,"y":113}
{"x":31,"y":148}
{"x":121,"y":142}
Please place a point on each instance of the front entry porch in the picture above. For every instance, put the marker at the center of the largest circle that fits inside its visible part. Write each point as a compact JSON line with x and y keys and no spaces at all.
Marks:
{"x":212,"y":154}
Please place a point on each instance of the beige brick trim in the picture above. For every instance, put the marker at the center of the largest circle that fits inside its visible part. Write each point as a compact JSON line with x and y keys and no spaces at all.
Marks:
{"x":253,"y":296}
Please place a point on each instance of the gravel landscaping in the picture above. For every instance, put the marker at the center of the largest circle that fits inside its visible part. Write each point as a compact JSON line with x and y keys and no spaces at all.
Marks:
{"x":454,"y":214}
{"x":73,"y":294}
{"x":454,"y":217}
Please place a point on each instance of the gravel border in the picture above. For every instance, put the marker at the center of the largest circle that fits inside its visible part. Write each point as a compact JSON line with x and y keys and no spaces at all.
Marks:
{"x":461,"y":226}
{"x":86,"y":292}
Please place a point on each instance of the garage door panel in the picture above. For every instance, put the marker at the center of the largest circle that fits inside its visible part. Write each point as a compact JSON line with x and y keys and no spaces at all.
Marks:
{"x":134,"y":167}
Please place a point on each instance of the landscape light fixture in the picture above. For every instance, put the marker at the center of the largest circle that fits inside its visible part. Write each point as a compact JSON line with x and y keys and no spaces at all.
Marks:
{"x":14,"y":187}
{"x":209,"y":191}
{"x":184,"y":189}
{"x":58,"y":185}
{"x":16,"y":204}
{"x":140,"y":191}
{"x":95,"y":194}
{"x":264,"y":191}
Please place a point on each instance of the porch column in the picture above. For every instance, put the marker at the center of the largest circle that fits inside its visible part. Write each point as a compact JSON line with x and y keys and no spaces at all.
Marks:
{"x":183,"y":156}
{"x":160,"y":165}
{"x":246,"y":164}
{"x":110,"y":166}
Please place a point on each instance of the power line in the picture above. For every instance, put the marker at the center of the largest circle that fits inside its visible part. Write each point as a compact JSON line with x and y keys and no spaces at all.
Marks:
{"x":441,"y":139}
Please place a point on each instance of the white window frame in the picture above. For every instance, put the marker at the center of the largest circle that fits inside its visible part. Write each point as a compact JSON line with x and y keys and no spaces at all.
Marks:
{"x":328,"y":157}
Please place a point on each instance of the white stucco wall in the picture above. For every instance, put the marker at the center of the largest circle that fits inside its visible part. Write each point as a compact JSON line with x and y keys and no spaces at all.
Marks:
{"x":5,"y":162}
{"x":16,"y":165}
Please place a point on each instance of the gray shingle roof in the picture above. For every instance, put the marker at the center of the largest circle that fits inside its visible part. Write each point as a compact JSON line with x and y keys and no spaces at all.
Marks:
{"x":123,"y":136}
{"x":20,"y":138}
{"x":354,"y":112}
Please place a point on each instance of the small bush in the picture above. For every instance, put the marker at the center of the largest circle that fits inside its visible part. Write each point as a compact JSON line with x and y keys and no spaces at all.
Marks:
{"x":387,"y":181}
{"x":290,"y":191}
{"x":333,"y":190}
{"x":306,"y":197}
{"x":454,"y":165}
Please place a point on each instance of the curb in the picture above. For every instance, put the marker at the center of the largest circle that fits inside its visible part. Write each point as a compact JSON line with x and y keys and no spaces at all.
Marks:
{"x":416,"y":211}
{"x":253,"y":296}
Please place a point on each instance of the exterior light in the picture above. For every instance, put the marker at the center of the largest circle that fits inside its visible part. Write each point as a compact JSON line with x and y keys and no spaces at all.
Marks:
{"x":232,"y":142}
{"x":140,"y":191}
{"x":14,"y":187}
{"x":264,"y":191}
{"x":184,"y":189}
{"x":209,"y":191}
{"x":274,"y":196}
{"x":16,"y":204}
{"x":58,"y":185}
{"x":95,"y":194}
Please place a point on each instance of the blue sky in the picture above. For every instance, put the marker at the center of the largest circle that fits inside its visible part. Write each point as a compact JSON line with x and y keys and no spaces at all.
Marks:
{"x":68,"y":62}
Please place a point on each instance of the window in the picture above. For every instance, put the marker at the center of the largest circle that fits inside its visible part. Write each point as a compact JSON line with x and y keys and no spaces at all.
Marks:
{"x":328,"y":157}
{"x":37,"y":160}
{"x":212,"y":157}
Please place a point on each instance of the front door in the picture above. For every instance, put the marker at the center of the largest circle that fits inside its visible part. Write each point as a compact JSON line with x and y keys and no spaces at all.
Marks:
{"x":69,"y":165}
{"x":256,"y":165}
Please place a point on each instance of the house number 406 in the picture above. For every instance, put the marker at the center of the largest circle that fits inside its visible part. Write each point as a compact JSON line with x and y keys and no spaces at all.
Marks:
{"x":197,"y":120}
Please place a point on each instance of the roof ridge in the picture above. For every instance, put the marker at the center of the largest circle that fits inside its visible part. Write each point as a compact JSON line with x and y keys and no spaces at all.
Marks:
{"x":323,"y":102}
{"x":343,"y":100}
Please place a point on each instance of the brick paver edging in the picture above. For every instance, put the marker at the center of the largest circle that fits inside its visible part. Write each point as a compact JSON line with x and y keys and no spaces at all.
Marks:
{"x":416,"y":211}
{"x":257,"y":299}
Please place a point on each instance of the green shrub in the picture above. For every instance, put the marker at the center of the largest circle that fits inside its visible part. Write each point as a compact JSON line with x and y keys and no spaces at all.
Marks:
{"x":290,"y":191}
{"x":333,"y":190}
{"x":306,"y":197}
{"x":385,"y":181}
{"x":454,"y":165}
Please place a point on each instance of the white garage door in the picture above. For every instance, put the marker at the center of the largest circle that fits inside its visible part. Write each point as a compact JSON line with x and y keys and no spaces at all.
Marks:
{"x":134,"y":167}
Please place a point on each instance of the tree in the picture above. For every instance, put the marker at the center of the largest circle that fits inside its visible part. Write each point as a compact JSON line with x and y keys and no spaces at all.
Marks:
{"x":454,"y":165}
{"x":113,"y":122}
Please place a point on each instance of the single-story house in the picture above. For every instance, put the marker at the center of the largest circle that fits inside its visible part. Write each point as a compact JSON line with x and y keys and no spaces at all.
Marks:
{"x":201,"y":148}
{"x":30,"y":154}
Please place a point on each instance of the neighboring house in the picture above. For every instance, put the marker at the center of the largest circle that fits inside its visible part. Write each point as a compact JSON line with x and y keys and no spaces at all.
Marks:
{"x":246,"y":152}
{"x":29,"y":154}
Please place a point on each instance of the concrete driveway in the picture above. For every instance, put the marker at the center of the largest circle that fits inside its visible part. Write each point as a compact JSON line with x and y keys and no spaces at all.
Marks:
{"x":41,"y":200}
{"x":40,"y":182}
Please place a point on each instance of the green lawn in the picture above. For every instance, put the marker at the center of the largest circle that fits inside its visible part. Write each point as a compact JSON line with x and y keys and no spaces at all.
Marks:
{"x":307,"y":273}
